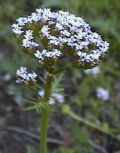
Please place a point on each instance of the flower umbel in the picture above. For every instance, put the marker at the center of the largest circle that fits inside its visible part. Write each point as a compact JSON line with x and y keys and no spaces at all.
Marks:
{"x":23,"y":76}
{"x":61,"y":34}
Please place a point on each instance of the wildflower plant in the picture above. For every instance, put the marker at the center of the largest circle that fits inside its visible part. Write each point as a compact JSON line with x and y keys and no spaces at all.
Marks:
{"x":55,"y":39}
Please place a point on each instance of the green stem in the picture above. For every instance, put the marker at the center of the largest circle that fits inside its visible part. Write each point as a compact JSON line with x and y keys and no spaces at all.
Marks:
{"x":44,"y":120}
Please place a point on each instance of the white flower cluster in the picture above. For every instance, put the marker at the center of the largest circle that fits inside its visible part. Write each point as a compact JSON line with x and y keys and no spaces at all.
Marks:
{"x":27,"y":41}
{"x":45,"y":53}
{"x":62,"y":29}
{"x":102,"y":94}
{"x":23,"y":76}
{"x":54,"y":97}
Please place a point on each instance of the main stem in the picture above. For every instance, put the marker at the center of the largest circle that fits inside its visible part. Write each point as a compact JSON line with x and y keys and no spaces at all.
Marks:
{"x":44,"y":120}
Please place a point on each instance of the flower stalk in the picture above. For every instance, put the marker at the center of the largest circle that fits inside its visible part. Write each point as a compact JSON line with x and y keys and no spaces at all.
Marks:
{"x":44,"y":120}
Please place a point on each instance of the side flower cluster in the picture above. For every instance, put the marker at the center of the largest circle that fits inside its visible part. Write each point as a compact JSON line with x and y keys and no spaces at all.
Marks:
{"x":60,"y":33}
{"x":23,"y":76}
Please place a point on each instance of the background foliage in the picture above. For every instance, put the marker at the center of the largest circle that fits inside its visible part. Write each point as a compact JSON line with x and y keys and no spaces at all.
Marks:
{"x":75,"y":130}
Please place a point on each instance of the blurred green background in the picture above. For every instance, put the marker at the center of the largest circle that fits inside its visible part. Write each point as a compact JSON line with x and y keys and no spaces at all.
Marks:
{"x":95,"y":125}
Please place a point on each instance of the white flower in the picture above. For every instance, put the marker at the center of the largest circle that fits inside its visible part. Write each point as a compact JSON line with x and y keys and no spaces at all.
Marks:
{"x":54,"y":40}
{"x":45,"y":30}
{"x":22,"y":21}
{"x":29,"y":35}
{"x":104,"y":46}
{"x":58,"y":97}
{"x":65,"y":33}
{"x":102,"y":94}
{"x":23,"y":76}
{"x":7,"y":77}
{"x":34,"y":17}
{"x":54,"y":97}
{"x":59,"y":26}
{"x":17,"y":29}
{"x":93,"y":71}
{"x":39,"y":55}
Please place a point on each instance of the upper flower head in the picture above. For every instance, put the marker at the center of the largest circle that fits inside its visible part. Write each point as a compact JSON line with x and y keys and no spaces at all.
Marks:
{"x":62,"y":35}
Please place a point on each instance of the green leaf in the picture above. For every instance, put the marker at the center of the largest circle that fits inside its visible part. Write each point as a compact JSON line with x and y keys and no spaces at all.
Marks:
{"x":56,"y":86}
{"x":39,"y":106}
